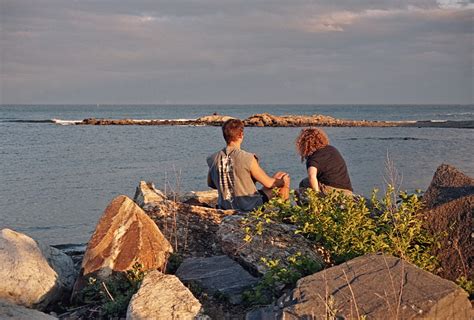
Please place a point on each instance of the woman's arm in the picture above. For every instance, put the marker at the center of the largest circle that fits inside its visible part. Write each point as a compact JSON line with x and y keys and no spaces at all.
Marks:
{"x":313,"y":180}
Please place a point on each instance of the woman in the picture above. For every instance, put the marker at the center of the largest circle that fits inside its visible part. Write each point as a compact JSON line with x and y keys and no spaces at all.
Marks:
{"x":327,"y":169}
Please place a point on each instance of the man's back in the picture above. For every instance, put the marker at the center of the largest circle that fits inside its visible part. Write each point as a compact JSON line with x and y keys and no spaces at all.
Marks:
{"x":229,"y":171}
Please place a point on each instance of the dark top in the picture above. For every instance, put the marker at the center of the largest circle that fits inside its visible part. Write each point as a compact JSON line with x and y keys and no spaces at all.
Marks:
{"x":332,"y":169}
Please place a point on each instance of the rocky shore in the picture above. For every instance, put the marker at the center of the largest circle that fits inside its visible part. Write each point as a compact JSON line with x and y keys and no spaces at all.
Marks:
{"x":268,"y":120}
{"x":164,"y":256}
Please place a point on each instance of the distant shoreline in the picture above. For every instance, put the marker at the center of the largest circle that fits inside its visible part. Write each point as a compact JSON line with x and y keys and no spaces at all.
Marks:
{"x":268,"y":120}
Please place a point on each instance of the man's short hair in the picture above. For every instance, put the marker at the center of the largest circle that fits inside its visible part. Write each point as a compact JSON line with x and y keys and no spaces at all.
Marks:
{"x":232,"y":130}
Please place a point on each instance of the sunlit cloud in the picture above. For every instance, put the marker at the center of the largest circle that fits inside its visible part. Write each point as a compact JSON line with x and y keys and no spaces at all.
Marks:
{"x":455,"y":4}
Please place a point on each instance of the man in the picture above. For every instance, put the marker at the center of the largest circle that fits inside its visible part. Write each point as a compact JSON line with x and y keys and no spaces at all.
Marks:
{"x":233,"y":172}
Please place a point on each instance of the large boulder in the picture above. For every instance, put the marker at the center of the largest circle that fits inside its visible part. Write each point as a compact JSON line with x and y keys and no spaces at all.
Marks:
{"x":277,"y":242}
{"x":450,"y":203}
{"x":14,"y":312}
{"x":191,"y":229}
{"x":448,"y":184}
{"x":377,"y":287}
{"x":33,"y":274}
{"x":164,"y":297}
{"x":124,"y":236}
{"x":218,"y":274}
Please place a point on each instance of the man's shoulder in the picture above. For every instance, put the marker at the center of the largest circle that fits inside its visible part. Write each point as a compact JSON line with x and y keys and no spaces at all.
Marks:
{"x":212,"y":158}
{"x":249,"y":156}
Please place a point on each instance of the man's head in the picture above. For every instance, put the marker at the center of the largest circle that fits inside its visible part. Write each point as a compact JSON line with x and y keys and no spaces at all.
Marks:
{"x":233,"y":130}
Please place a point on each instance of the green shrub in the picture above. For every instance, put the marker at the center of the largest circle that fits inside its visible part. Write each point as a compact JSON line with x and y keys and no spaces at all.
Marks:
{"x":113,"y":295}
{"x":279,"y":278}
{"x":467,"y":285}
{"x":352,"y":226}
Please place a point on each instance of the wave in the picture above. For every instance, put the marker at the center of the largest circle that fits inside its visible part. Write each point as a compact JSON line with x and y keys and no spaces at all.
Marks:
{"x":66,"y":122}
{"x":388,"y":138}
{"x":28,"y":121}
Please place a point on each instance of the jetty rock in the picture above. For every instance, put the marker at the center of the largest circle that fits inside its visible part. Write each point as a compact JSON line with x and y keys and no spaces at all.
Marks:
{"x":277,"y":242}
{"x":14,"y":312}
{"x":215,"y":119}
{"x":192,"y":229}
{"x":269,"y":120}
{"x":372,"y":286}
{"x":33,"y":274}
{"x":163,"y":296}
{"x":125,"y":235}
{"x":450,"y":203}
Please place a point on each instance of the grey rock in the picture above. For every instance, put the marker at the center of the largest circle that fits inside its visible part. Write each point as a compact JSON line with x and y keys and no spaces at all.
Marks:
{"x":448,"y":184}
{"x":33,"y":274}
{"x":218,"y":274}
{"x":12,"y":311}
{"x":450,"y":202}
{"x":147,"y":196}
{"x":206,"y":198}
{"x":262,"y":313}
{"x":377,"y":287}
{"x":278,"y":241}
{"x":164,"y":297}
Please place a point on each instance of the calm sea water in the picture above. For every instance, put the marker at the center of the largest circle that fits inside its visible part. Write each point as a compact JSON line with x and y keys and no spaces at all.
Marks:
{"x":55,"y":180}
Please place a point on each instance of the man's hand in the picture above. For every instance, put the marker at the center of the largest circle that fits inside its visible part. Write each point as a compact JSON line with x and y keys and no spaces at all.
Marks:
{"x":283,"y":177}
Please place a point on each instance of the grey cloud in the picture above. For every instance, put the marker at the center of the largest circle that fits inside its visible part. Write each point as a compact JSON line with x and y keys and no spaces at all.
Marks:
{"x":235,"y":52}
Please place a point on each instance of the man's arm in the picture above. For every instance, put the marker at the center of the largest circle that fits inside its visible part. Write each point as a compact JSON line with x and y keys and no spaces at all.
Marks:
{"x":313,"y":180}
{"x":258,"y":174}
{"x":210,"y":183}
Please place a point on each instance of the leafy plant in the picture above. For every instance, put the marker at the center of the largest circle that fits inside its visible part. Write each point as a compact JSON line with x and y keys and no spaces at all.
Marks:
{"x":350,"y":226}
{"x":467,"y":285}
{"x":279,"y":277}
{"x":113,"y":295}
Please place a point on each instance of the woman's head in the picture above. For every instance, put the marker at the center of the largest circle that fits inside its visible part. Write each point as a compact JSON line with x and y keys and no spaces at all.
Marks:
{"x":309,"y":140}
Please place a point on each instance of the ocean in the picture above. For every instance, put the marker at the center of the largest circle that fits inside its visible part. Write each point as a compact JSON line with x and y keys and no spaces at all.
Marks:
{"x":56,"y":180}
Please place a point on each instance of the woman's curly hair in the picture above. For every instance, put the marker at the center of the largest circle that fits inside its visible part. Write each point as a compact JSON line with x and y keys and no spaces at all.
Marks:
{"x":309,"y":140}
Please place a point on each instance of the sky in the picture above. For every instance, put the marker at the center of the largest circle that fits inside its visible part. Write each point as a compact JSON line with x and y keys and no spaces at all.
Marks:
{"x":236,"y":52}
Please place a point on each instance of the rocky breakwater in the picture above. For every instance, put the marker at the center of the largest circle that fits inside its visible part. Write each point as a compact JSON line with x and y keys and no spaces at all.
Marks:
{"x":269,"y":120}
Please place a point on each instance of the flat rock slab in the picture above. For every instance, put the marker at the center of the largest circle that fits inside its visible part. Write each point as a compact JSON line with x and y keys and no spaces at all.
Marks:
{"x":277,"y":242}
{"x":14,"y":312}
{"x":162,"y":296}
{"x":377,"y":287}
{"x":219,"y":274}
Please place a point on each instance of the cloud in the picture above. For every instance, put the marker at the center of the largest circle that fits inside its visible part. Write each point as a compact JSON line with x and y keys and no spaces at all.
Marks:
{"x":234,"y":52}
{"x":339,"y":20}
{"x":455,"y":4}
